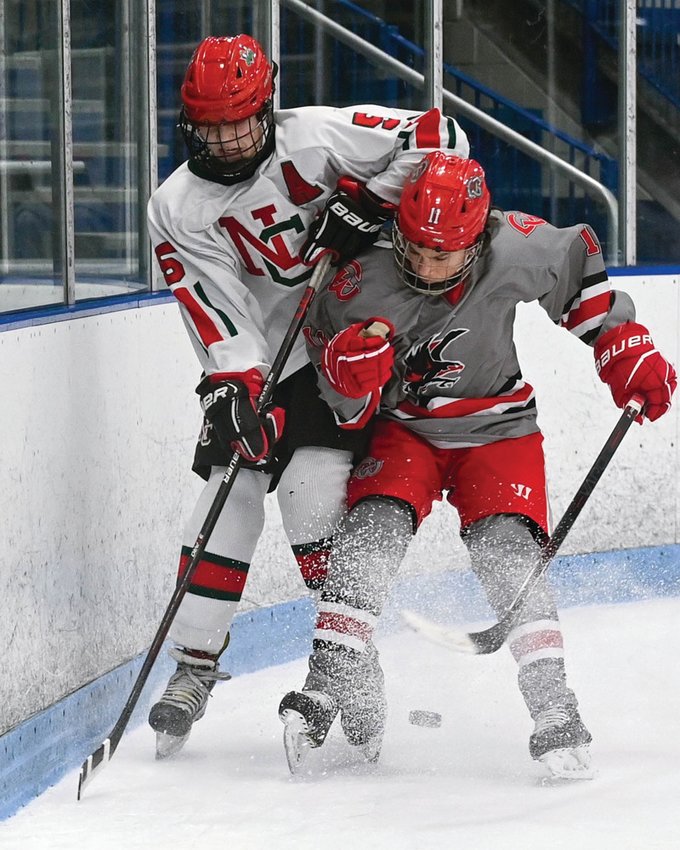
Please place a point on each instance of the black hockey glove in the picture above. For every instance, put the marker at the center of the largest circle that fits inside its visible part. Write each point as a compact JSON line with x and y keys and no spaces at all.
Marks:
{"x":229,"y":402}
{"x":349,"y":223}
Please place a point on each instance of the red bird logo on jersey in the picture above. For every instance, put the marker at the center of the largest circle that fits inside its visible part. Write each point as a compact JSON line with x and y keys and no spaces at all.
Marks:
{"x":431,"y":363}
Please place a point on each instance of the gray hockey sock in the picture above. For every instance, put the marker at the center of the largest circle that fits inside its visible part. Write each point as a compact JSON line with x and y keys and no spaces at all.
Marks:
{"x":367,"y":552}
{"x":502,"y":550}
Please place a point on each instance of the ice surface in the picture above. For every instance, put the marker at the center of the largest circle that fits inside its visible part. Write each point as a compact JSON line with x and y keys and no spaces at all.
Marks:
{"x":469,"y":784}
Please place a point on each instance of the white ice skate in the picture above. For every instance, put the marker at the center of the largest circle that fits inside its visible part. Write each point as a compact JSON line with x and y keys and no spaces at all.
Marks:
{"x":560,"y":742}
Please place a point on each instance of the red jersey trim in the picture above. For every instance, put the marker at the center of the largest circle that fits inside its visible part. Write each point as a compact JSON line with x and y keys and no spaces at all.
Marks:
{"x":207,"y":329}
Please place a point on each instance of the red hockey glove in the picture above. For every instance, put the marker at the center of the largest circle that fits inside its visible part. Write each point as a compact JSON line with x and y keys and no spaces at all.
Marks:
{"x":358,"y":360}
{"x":626,"y":359}
{"x":229,"y":402}
{"x":349,"y":223}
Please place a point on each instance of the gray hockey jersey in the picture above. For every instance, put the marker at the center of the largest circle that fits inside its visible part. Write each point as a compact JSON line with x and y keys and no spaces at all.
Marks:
{"x":230,"y":254}
{"x":457,"y":381}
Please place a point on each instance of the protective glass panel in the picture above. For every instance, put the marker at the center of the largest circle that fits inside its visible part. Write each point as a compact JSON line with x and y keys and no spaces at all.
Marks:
{"x":547,"y":70}
{"x":180,"y":26}
{"x":109,"y":155}
{"x":30,"y":186}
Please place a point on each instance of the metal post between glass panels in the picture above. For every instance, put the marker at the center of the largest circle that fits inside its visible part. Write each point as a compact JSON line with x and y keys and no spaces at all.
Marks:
{"x":62,"y":157}
{"x":628,"y":131}
{"x":434,"y":54}
{"x":148,"y":140}
{"x":272,"y":38}
{"x":4,"y":193}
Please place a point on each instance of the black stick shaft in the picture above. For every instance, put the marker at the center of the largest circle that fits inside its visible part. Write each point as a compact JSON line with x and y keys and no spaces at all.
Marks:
{"x":493,"y":638}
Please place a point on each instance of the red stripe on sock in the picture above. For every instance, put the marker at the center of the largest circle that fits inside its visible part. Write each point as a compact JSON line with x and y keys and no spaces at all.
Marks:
{"x":215,"y":576}
{"x":344,"y":625}
{"x":544,"y":639}
{"x":313,"y":567}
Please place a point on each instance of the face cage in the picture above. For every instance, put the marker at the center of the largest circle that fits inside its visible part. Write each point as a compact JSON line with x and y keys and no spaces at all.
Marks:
{"x":200,"y":150}
{"x":424,"y":287}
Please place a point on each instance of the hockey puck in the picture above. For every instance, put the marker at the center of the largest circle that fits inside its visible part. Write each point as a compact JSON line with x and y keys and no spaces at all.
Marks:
{"x":431,"y":719}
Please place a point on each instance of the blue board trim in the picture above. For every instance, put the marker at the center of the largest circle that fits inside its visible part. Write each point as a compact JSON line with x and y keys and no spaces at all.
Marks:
{"x":42,"y":749}
{"x":92,"y":307}
{"x":112,"y":303}
{"x":637,"y":271}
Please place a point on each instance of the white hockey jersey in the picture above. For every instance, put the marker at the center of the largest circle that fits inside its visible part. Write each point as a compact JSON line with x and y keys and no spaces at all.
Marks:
{"x":230,"y":254}
{"x":457,"y":381}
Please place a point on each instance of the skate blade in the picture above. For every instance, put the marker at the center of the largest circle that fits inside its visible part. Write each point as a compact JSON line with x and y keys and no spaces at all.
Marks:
{"x":296,"y":741}
{"x":569,"y":763}
{"x":168,"y":745}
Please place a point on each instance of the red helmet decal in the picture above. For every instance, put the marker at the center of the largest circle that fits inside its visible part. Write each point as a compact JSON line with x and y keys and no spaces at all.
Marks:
{"x":228,"y":79}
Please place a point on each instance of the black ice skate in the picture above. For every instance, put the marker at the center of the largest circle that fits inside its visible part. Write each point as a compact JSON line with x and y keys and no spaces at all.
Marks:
{"x":184,"y":700}
{"x":307,"y":716}
{"x":560,"y":742}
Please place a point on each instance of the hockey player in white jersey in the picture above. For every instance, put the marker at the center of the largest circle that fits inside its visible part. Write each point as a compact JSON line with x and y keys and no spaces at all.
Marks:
{"x":456,"y":417}
{"x":235,"y":231}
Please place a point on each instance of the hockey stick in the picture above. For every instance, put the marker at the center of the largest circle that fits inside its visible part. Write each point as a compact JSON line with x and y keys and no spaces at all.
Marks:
{"x":104,"y":753}
{"x":491,"y":639}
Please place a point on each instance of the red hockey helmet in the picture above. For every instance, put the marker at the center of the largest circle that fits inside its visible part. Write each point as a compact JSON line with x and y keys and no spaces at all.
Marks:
{"x":228,"y":80}
{"x":444,"y":207}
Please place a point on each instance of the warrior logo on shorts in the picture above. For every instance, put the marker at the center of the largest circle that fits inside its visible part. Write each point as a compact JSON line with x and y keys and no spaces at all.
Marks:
{"x":368,"y":467}
{"x":431,"y":364}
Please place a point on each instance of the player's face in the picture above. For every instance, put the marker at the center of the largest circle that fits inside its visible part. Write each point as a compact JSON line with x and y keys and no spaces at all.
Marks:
{"x":235,"y":140}
{"x":434,"y":266}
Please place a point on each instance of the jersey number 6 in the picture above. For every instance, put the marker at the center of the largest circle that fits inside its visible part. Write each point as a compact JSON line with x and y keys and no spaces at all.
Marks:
{"x":173,"y":270}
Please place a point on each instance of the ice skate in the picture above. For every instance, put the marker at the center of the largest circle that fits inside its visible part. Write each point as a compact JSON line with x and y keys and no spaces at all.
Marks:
{"x":365,"y":730}
{"x":307,"y":716}
{"x":184,"y":700}
{"x":560,"y":742}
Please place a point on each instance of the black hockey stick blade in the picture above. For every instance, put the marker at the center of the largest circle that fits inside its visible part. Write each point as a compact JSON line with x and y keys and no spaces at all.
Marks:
{"x":492,"y":639}
{"x":97,"y":761}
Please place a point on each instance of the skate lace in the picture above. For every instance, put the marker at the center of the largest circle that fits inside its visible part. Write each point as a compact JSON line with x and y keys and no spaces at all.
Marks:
{"x":550,"y":718}
{"x":189,"y":685}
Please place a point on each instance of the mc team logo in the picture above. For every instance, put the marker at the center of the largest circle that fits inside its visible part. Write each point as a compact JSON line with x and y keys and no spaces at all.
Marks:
{"x":248,"y":55}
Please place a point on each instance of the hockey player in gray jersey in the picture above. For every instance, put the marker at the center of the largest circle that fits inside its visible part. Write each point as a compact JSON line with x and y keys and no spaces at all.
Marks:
{"x":431,"y":348}
{"x":235,"y":230}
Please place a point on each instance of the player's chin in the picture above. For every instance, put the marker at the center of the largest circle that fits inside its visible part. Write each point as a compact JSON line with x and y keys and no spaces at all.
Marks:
{"x":233,"y":156}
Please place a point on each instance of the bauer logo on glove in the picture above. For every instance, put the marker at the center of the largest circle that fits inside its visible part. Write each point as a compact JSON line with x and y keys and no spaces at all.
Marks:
{"x":627,"y":361}
{"x":229,"y":402}
{"x":350,"y":222}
